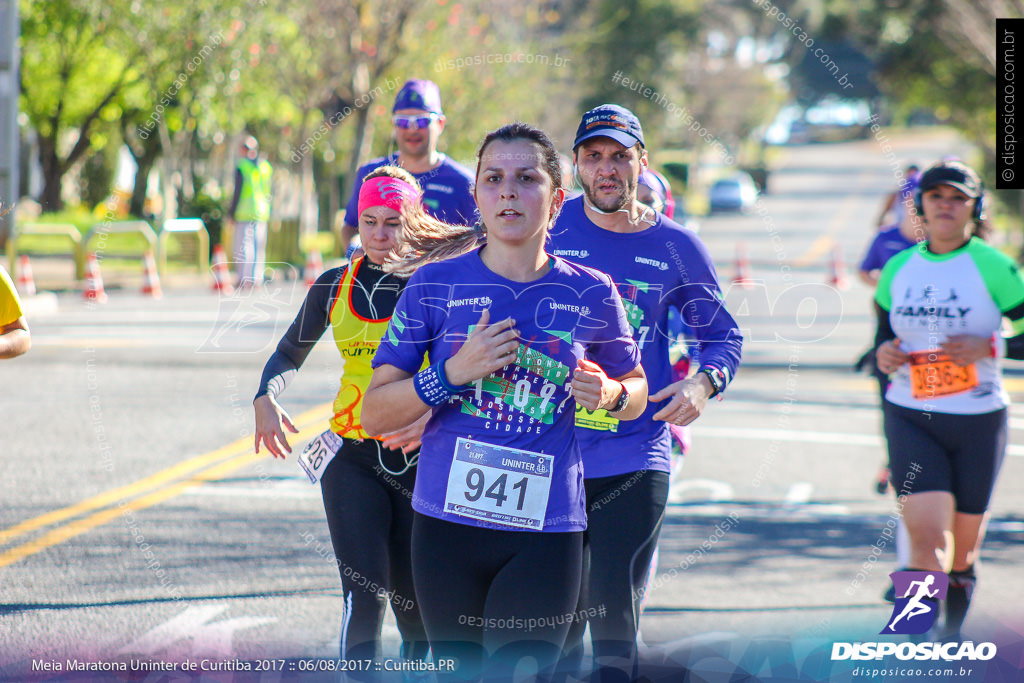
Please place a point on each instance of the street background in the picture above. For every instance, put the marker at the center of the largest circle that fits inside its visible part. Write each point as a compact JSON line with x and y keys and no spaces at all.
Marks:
{"x":136,"y":522}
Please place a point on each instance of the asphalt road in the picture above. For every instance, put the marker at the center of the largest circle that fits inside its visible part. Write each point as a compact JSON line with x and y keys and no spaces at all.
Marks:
{"x":137,"y":523}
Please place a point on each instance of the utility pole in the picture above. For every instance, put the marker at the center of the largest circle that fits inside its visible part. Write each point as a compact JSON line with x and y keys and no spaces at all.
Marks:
{"x":9,"y":87}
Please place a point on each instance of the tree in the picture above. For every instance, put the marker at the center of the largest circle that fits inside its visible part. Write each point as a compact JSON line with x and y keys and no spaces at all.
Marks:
{"x":76,"y":61}
{"x":937,"y":55}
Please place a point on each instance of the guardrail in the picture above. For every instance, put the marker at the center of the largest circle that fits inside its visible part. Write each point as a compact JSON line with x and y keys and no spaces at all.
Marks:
{"x":185,"y":226}
{"x":62,"y":230}
{"x":105,"y":228}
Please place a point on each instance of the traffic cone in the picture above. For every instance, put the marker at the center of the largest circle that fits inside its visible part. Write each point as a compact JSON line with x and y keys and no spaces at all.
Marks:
{"x":150,"y":278}
{"x":837,"y":269}
{"x":742,"y":277}
{"x":26,"y":283}
{"x":221,"y":276}
{"x":314,"y":267}
{"x":93,"y":281}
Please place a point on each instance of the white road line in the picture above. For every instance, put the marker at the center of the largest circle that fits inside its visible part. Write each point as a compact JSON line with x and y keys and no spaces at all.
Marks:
{"x":771,"y":510}
{"x":860,"y":411}
{"x":796,"y":435}
{"x":716,"y":490}
{"x":799,"y":493}
{"x":298,"y":488}
{"x":768,"y":509}
{"x":208,"y":638}
{"x":806,"y":436}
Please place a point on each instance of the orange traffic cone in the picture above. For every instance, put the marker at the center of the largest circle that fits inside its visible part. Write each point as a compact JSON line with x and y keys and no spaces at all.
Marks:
{"x":150,"y":278}
{"x":314,"y":267}
{"x":26,"y":283}
{"x":837,"y":269}
{"x":94,"y":281}
{"x":742,"y":277}
{"x":221,"y":276}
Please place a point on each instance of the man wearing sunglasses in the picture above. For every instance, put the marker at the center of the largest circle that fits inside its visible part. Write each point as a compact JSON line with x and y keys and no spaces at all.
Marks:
{"x":447,"y":186}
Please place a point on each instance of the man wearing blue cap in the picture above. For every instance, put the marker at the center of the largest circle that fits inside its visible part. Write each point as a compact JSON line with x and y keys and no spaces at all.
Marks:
{"x":418,"y":122}
{"x":657,"y":265}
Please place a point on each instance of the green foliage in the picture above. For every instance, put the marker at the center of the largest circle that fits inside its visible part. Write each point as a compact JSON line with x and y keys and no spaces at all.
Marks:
{"x":72,"y":57}
{"x":80,"y":217}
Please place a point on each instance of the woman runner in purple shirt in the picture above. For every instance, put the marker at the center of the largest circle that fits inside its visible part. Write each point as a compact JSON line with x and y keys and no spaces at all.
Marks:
{"x":497,"y":537}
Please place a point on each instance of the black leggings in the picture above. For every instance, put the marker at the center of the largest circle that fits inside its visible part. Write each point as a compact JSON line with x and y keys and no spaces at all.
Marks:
{"x":624,"y":515}
{"x":369,"y":513}
{"x":499,"y":597}
{"x":961,"y":454}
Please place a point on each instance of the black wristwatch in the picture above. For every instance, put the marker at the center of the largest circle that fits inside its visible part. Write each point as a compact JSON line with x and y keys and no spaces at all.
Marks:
{"x":716,"y":379}
{"x":623,"y":401}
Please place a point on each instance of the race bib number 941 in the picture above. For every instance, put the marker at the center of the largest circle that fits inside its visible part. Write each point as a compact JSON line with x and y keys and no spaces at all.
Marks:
{"x":498,"y":484}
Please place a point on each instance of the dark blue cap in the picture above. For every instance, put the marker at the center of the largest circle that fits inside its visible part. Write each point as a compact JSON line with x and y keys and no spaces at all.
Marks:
{"x":952,"y":173}
{"x":419,"y":94}
{"x":610,"y":121}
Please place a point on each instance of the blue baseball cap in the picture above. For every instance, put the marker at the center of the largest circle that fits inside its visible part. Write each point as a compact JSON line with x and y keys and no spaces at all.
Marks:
{"x":610,"y":121}
{"x":419,"y":94}
{"x":951,"y":173}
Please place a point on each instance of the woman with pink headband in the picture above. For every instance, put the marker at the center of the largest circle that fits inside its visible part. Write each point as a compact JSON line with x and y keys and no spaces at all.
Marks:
{"x":366,"y":480}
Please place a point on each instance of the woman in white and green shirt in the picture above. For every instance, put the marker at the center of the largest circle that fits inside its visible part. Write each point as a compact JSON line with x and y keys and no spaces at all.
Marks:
{"x":943,"y":303}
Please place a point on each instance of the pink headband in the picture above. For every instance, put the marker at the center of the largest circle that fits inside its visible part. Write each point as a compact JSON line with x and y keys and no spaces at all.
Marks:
{"x":386,"y":191}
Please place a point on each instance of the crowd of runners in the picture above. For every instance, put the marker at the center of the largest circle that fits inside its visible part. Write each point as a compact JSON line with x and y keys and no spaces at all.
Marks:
{"x":502,"y":437}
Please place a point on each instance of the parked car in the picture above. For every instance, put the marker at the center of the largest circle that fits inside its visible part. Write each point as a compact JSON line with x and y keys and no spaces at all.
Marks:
{"x":735,"y":193}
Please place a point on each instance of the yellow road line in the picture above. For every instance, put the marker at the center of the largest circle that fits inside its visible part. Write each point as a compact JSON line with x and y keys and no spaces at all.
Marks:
{"x":818,"y":248}
{"x":836,"y":223}
{"x":306,"y":419}
{"x":80,"y":526}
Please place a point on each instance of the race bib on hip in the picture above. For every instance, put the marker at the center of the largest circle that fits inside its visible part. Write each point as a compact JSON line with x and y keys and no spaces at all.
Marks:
{"x":499,"y":484}
{"x":933,"y":374}
{"x":318,"y":453}
{"x":598,"y":420}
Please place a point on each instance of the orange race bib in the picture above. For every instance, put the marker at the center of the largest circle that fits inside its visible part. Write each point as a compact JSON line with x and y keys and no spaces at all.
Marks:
{"x":933,"y":374}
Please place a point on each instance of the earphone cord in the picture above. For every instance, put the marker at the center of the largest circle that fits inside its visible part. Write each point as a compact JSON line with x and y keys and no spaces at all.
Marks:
{"x":409,"y":462}
{"x":640,"y":218}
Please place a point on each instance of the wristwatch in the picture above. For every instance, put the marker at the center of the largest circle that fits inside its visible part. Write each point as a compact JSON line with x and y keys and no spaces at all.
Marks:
{"x":622,"y":402}
{"x":716,"y":379}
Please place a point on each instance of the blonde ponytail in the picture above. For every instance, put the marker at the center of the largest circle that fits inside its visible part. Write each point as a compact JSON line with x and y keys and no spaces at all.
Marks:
{"x":425,"y":239}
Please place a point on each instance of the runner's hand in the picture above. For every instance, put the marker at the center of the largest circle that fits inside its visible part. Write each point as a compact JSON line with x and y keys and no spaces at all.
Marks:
{"x":407,"y":438}
{"x":488,"y":349}
{"x":965,"y":349}
{"x":689,"y":396}
{"x":890,"y":356}
{"x":592,"y":388}
{"x":270,"y":418}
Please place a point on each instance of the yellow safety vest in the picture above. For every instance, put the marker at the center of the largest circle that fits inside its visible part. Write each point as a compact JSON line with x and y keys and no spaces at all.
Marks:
{"x":357,"y":339}
{"x":254,"y":200}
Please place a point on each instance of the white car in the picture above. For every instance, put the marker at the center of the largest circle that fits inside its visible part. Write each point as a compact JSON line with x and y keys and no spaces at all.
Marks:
{"x":735,"y":193}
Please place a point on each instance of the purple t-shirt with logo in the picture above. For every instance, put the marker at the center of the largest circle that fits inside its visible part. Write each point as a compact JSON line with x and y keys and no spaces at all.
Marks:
{"x":447,"y":191}
{"x":886,"y":244}
{"x":570,"y":313}
{"x":655,"y":269}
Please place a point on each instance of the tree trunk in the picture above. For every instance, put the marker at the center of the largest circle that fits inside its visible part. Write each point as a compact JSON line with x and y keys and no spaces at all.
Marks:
{"x":169,"y":207}
{"x":360,"y":147}
{"x":360,"y":85}
{"x":53,"y":174}
{"x":137,"y":205}
{"x":308,"y":200}
{"x":144,"y":160}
